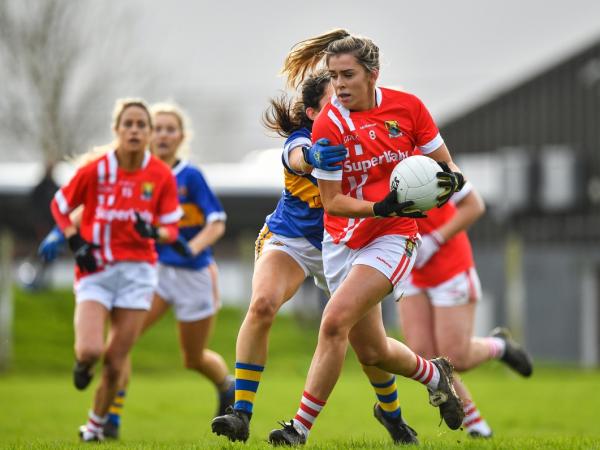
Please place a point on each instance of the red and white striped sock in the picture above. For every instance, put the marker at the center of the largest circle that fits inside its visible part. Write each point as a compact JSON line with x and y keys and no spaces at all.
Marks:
{"x":95,"y":423}
{"x":473,"y":420}
{"x":496,"y":347}
{"x":310,"y":407}
{"x":426,"y":373}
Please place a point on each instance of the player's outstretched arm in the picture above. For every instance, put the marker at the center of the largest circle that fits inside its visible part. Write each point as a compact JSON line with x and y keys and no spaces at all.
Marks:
{"x":209,"y":235}
{"x":320,"y":155}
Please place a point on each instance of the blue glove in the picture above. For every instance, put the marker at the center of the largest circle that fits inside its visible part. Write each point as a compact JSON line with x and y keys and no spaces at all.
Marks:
{"x":52,"y":245}
{"x":324,"y":156}
{"x":182,"y":247}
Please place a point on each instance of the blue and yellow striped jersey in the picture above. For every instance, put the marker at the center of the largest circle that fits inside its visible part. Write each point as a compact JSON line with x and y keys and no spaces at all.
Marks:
{"x":200,"y":206}
{"x":299,"y":212}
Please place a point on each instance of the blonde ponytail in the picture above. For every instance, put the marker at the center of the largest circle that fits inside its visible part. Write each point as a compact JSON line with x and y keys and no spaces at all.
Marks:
{"x":306,"y":55}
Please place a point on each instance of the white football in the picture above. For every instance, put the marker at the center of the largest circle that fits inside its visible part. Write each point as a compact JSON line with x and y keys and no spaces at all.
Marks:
{"x":414,"y":178}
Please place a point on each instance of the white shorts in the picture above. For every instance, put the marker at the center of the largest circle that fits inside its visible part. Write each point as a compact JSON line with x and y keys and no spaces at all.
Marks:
{"x":393,"y":255}
{"x":124,"y":284}
{"x":459,"y":290}
{"x":308,"y":257}
{"x":189,"y":291}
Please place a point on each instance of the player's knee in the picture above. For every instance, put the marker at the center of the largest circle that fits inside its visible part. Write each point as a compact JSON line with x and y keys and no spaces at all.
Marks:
{"x":113,"y":369}
{"x":263,"y":309}
{"x":458,"y":358}
{"x":88,"y":354}
{"x":193,"y":362}
{"x":333,"y":327}
{"x":369,"y":356}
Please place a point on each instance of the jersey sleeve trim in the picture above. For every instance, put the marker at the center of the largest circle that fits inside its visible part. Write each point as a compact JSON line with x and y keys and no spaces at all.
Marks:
{"x":459,"y":196}
{"x":216,"y":217}
{"x":432,"y":145}
{"x":336,"y":121}
{"x":61,"y":201}
{"x":171,"y":217}
{"x":179,"y":167}
{"x":327,"y":174}
{"x":289,"y":146}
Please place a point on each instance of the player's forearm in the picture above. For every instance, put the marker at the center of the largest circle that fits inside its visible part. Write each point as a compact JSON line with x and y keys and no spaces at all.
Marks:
{"x":442,"y":154}
{"x":208,"y":236}
{"x":468,"y":211}
{"x":167,"y":234}
{"x":345,"y":206}
{"x":297,"y":162}
{"x":63,"y":221}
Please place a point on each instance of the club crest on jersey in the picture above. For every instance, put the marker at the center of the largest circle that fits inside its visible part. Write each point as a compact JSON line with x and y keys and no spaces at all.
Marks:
{"x":147,"y":190}
{"x":393,"y":128}
{"x":182,"y":191}
{"x":409,"y":247}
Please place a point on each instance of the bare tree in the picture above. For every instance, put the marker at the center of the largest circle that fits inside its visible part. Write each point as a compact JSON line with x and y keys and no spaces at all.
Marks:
{"x":52,"y":73}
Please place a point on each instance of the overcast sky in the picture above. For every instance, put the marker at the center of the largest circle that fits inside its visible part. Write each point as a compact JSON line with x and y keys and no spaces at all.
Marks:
{"x":449,"y":53}
{"x":220,"y":59}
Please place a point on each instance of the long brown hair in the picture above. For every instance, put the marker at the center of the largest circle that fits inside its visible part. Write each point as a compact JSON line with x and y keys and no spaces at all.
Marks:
{"x":122,"y":104}
{"x":285,"y":115}
{"x":308,"y":54}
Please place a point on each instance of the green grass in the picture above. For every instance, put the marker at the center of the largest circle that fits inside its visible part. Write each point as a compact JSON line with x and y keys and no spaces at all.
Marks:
{"x":169,"y":407}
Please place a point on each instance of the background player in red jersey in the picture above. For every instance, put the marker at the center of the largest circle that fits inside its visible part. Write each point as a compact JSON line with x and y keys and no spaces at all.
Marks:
{"x":369,"y":241}
{"x":187,"y":279}
{"x":124,"y":192}
{"x":437,"y":310}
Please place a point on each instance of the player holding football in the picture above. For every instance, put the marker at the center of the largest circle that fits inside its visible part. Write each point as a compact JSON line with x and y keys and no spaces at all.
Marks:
{"x":370,"y":239}
{"x":187,"y":279}
{"x":437,"y":309}
{"x":290,"y":246}
{"x":124,"y":194}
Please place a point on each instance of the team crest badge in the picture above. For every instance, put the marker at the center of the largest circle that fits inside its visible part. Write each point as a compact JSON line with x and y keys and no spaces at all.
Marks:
{"x":409,"y":248}
{"x":393,"y":128}
{"x":147,"y":190}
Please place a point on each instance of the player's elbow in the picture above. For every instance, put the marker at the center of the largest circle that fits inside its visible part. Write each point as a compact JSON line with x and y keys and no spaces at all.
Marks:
{"x":219,"y":229}
{"x":479,"y":207}
{"x":332,"y":208}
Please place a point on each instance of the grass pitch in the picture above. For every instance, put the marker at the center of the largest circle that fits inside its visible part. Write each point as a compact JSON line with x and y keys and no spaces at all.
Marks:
{"x":168,"y":407}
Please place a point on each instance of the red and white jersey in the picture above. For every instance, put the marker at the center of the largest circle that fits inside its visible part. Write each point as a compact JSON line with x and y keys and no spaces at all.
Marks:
{"x":111,"y":196}
{"x":454,"y":256}
{"x":377,"y":140}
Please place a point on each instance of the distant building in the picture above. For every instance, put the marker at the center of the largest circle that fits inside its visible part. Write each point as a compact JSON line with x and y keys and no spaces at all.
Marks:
{"x":534,"y":152}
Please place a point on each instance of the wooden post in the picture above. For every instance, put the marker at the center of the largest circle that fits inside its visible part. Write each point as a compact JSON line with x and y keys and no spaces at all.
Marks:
{"x":515,"y":287}
{"x":6,"y":298}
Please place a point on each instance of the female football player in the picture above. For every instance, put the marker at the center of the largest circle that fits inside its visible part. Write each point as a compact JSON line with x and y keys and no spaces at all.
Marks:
{"x":437,"y":310}
{"x":187,"y":282}
{"x":370,"y":239}
{"x":290,"y":245}
{"x":123,"y":193}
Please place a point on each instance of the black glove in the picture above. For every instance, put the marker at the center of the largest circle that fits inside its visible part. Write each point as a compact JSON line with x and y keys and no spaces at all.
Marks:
{"x":145,"y":229}
{"x":451,"y":181}
{"x":83,"y":252}
{"x":389,"y":207}
{"x":182,"y":247}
